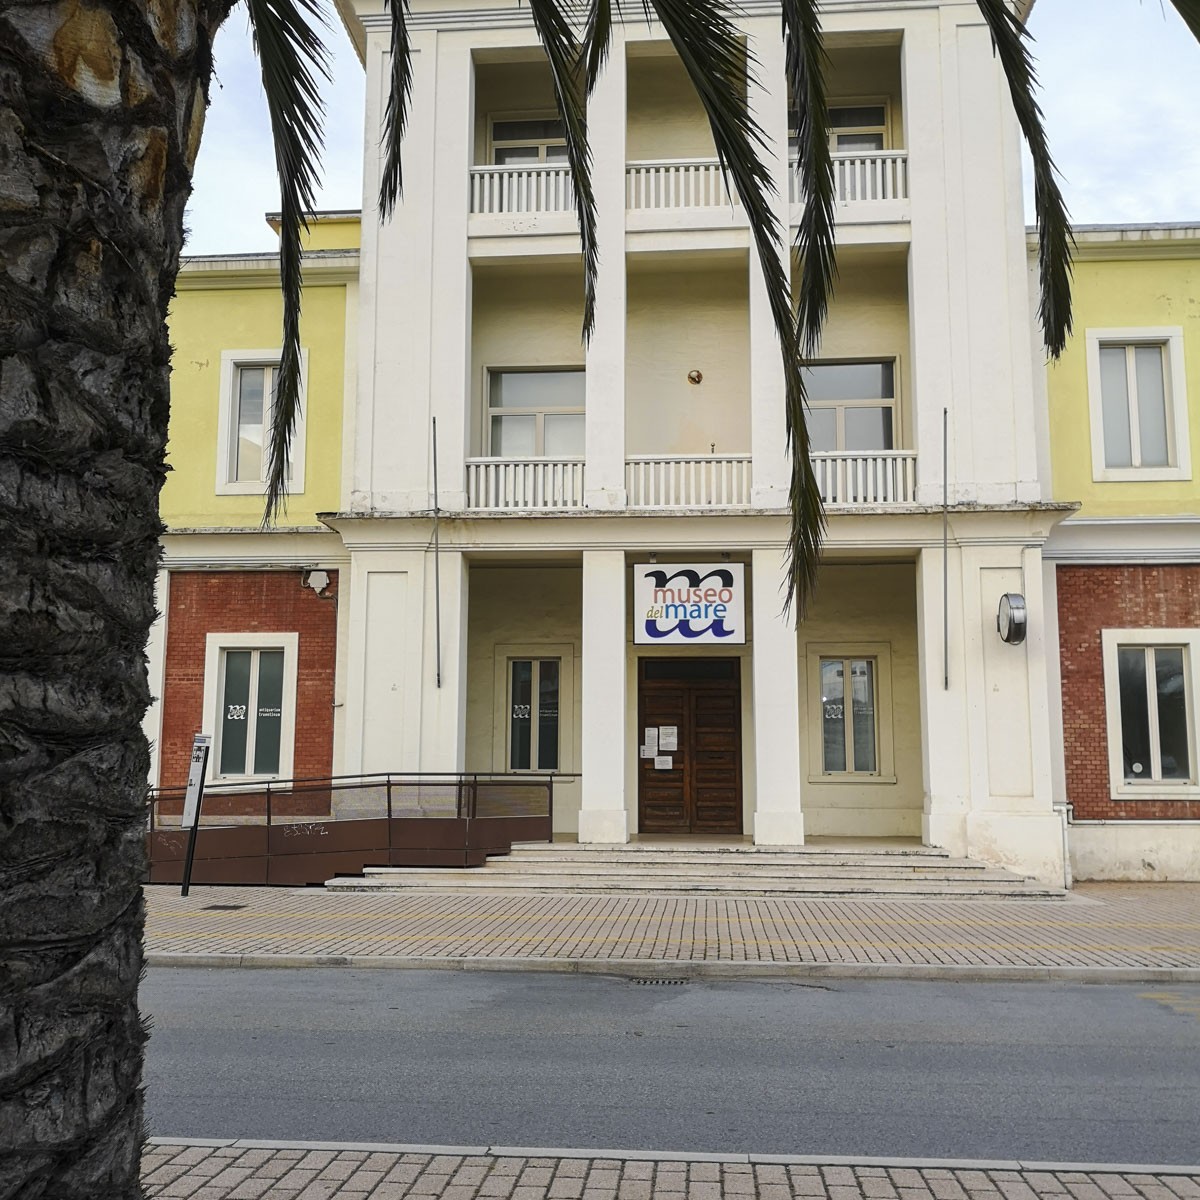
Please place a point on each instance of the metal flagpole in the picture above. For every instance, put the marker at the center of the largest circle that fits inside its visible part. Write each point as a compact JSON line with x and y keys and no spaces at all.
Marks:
{"x":945,"y":549}
{"x":437,"y":566}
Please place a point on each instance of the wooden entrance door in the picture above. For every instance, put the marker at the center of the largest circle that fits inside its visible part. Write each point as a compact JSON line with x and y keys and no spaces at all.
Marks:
{"x":701,"y":699}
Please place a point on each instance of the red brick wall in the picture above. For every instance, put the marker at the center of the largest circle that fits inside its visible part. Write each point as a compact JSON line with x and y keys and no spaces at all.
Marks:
{"x":1095,"y":598}
{"x":204,"y":602}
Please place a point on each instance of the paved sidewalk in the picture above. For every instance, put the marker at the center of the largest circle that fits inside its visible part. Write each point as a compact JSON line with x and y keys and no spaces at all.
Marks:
{"x":249,"y":1170}
{"x":1141,"y":932}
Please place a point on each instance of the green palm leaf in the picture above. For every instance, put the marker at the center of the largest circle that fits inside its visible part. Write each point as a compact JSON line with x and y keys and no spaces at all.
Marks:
{"x":395,"y":117}
{"x":292,"y":55}
{"x":1189,"y":10}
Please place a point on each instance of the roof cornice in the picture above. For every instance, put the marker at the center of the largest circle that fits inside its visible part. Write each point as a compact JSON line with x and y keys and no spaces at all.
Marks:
{"x":322,"y":268}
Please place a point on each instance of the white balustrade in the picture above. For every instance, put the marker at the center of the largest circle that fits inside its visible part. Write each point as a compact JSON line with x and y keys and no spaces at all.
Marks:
{"x":504,"y":483}
{"x":677,"y":481}
{"x":521,"y":189}
{"x":675,"y":183}
{"x":858,"y":177}
{"x":875,"y":477}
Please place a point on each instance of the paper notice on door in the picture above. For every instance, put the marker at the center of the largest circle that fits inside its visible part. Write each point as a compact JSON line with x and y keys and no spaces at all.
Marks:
{"x":668,"y":737}
{"x":646,"y":751}
{"x":663,"y":762}
{"x":651,"y":738}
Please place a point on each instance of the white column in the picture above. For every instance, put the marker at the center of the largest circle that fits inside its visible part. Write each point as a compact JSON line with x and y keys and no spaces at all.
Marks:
{"x":602,"y":815}
{"x":156,"y":666}
{"x":771,"y":465}
{"x":444,"y":709}
{"x":778,"y":815}
{"x":605,"y":438}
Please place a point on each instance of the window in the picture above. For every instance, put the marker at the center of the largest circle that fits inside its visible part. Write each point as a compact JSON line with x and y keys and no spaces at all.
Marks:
{"x":1138,"y":404}
{"x":851,"y":405}
{"x":1150,"y":682}
{"x":534,"y":689}
{"x":536,"y":414}
{"x":248,"y":382}
{"x":853,"y":129}
{"x":249,"y":703}
{"x":528,"y":141}
{"x":850,"y":713}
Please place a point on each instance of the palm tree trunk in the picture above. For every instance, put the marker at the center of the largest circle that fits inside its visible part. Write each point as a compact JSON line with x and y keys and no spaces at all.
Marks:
{"x":101,"y":108}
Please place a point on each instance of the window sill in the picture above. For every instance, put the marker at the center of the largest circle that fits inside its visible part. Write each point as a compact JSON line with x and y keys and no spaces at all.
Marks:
{"x":1142,"y":475}
{"x":1157,"y":791}
{"x":842,"y":778}
{"x":251,"y":489}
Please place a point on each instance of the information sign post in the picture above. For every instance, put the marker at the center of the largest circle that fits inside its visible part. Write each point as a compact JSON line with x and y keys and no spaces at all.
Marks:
{"x":191,"y":802}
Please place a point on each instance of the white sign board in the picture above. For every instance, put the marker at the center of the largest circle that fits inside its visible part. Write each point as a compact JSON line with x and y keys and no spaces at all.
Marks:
{"x":687,"y":604}
{"x":668,"y":737}
{"x":191,"y":801}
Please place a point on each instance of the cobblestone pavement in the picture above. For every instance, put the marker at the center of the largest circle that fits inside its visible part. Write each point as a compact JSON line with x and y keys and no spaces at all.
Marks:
{"x":245,"y":1170}
{"x":1109,"y":927}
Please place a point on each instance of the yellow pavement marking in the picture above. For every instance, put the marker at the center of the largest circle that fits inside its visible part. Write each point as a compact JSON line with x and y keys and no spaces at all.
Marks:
{"x":1185,"y":1005}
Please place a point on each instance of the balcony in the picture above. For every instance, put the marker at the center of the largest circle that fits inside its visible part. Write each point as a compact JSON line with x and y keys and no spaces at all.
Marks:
{"x":864,"y":178}
{"x":502,"y":484}
{"x":675,"y":183}
{"x":680,"y":481}
{"x":521,"y":189}
{"x":877,"y":477}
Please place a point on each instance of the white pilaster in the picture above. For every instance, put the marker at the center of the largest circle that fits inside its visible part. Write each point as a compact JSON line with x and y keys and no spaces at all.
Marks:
{"x":156,"y":666}
{"x":602,"y":815}
{"x":444,"y":711}
{"x":604,"y":480}
{"x":771,"y":461}
{"x":778,"y":815}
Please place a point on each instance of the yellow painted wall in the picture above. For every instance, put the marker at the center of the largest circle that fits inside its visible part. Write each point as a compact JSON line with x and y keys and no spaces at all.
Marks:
{"x":509,"y":89}
{"x":869,"y":73}
{"x":1128,"y":293}
{"x":859,"y":605}
{"x":203,"y":323}
{"x":679,"y":321}
{"x":329,"y":232}
{"x":525,"y":606}
{"x":665,"y":116}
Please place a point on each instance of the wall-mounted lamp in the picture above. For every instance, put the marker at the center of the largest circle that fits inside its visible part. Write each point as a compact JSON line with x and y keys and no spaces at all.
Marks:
{"x":695,"y":377}
{"x":1012,"y":619}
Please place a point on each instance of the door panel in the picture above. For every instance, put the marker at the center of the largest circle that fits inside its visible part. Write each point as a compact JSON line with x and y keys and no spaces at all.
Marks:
{"x":702,"y":793}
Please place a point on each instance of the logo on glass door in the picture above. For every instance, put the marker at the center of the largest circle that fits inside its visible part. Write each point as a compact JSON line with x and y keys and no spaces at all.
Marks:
{"x":686,"y":603}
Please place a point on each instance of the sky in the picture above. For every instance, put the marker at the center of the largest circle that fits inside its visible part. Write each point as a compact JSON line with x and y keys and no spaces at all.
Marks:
{"x":1120,"y":92}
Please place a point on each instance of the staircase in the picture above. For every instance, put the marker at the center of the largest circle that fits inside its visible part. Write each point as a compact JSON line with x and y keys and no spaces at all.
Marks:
{"x":683,"y":869}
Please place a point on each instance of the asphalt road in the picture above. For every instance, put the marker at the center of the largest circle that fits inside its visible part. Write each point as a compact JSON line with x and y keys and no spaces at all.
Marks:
{"x":1037,"y":1071}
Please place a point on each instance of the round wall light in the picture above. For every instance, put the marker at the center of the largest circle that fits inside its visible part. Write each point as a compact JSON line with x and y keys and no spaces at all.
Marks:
{"x":1012,"y":619}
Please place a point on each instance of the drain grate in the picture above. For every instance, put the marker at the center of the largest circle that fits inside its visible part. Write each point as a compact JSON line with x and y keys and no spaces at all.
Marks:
{"x":655,"y":982}
{"x":223,"y":907}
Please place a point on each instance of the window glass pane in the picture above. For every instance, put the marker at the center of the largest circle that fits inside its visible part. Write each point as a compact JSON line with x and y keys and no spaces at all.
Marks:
{"x":850,"y":381}
{"x":822,"y":428}
{"x":856,"y":118}
{"x":527,"y":131}
{"x":514,"y":437}
{"x":563,"y":434}
{"x":858,"y":143}
{"x":1151,"y":405}
{"x":511,"y":156}
{"x":833,"y":715}
{"x":1135,"y":714}
{"x":862,"y":700}
{"x":269,"y":719}
{"x":868,"y":428}
{"x":556,"y":154}
{"x":1114,"y":400}
{"x":235,"y":706}
{"x":249,"y":446}
{"x":548,"y":714}
{"x":520,"y":718}
{"x":1171,"y":684}
{"x":538,"y":389}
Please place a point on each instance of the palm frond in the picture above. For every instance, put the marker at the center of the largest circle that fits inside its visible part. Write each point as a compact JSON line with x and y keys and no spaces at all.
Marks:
{"x":717,"y":64}
{"x":1010,"y":40}
{"x":1189,"y":10}
{"x":291,"y":54}
{"x":597,"y":39}
{"x":395,"y":117}
{"x":815,"y":239}
{"x":565,"y":54}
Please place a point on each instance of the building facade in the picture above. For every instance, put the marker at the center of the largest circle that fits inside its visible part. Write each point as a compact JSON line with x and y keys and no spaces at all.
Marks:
{"x":605,"y":599}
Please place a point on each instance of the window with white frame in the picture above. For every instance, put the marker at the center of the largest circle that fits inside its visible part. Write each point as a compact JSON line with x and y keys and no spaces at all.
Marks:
{"x":522,"y":141}
{"x":249,"y":379}
{"x":534,"y":694}
{"x":250,"y":703}
{"x":851,"y":405}
{"x":850,"y":705}
{"x":853,"y":128}
{"x":1138,"y":401}
{"x":1150,"y":682}
{"x":536,"y":414}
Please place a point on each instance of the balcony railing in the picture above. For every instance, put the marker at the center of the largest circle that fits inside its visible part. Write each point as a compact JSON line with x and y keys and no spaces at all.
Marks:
{"x":675,"y":183}
{"x":878,"y":477}
{"x":677,"y":481}
{"x":507,"y":483}
{"x":521,"y":190}
{"x":863,"y":177}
